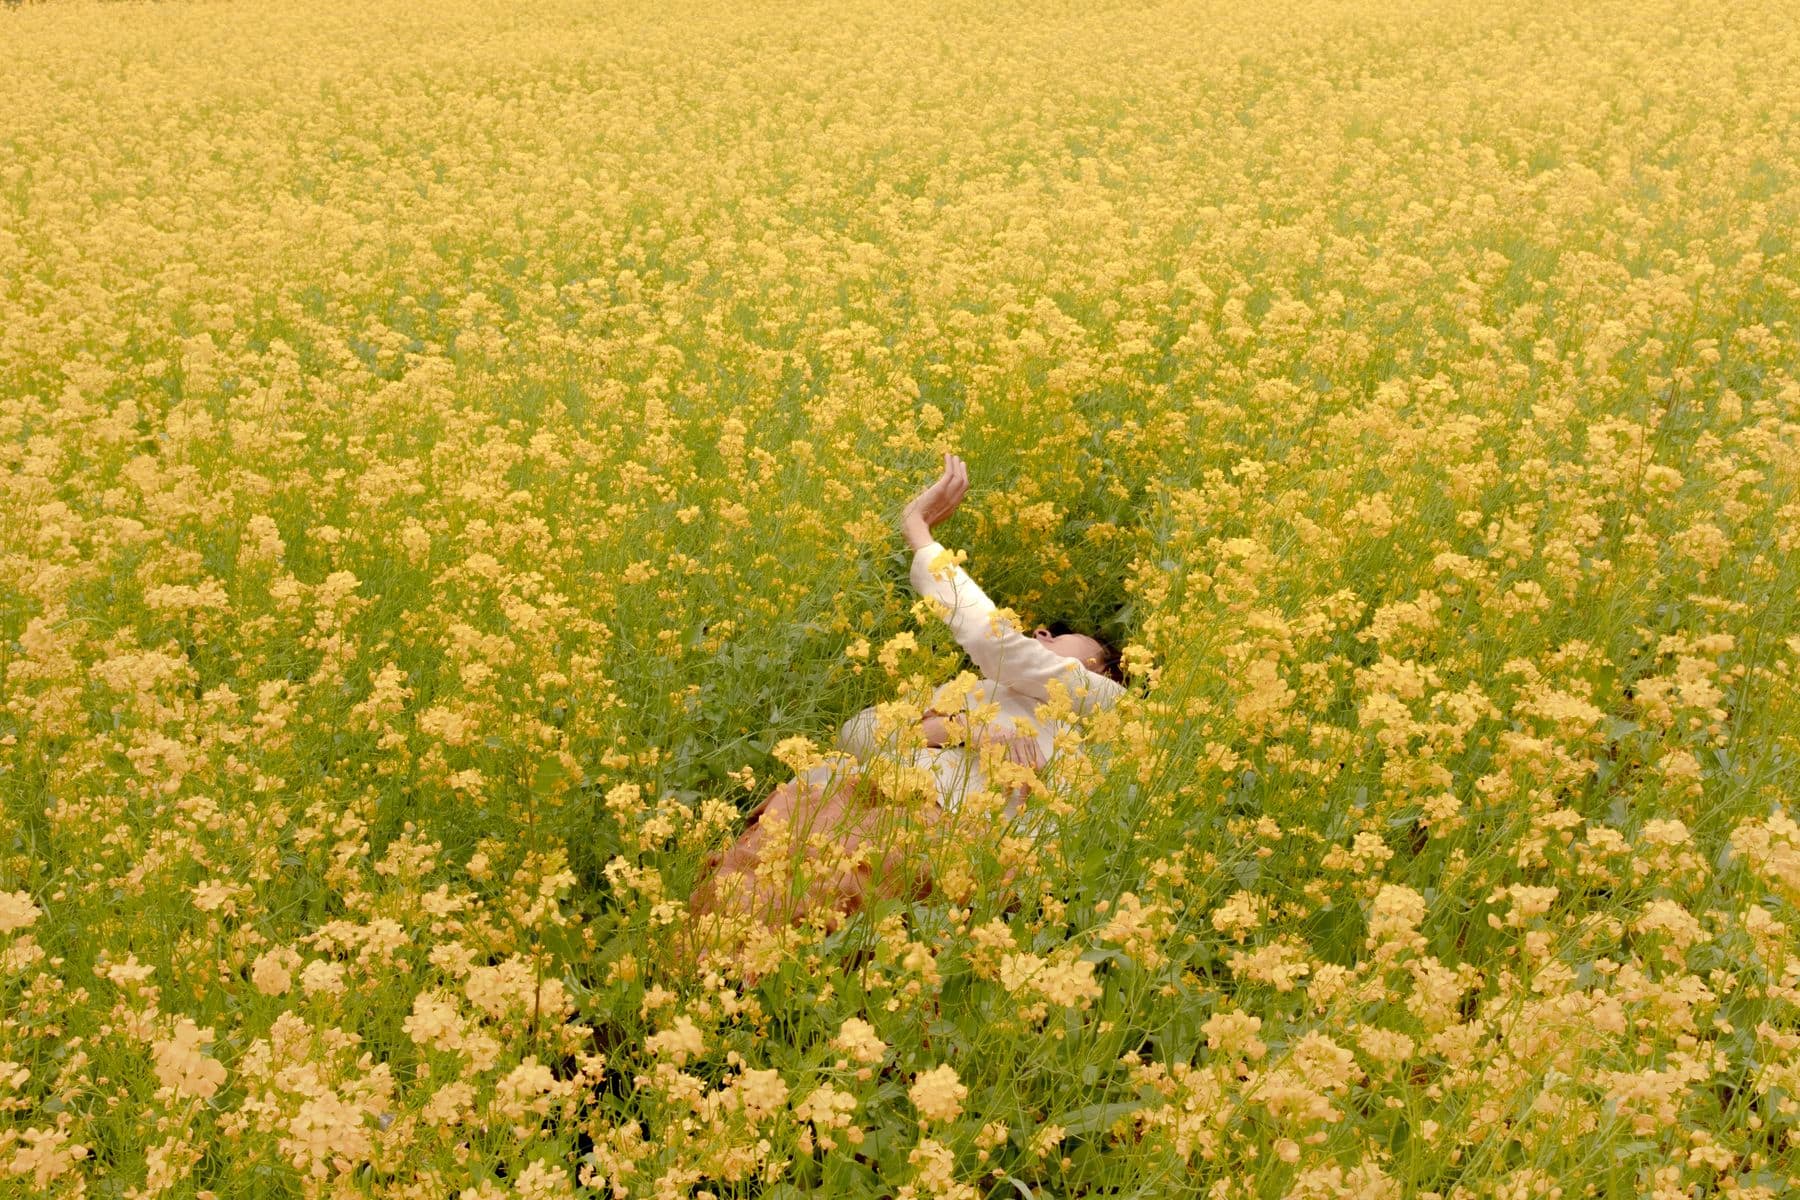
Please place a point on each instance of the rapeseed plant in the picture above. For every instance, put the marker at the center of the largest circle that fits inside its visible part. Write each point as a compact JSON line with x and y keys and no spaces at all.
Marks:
{"x":449,"y":471}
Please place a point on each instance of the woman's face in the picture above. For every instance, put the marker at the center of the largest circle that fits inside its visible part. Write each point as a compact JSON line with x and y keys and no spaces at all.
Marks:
{"x":1071,"y":645}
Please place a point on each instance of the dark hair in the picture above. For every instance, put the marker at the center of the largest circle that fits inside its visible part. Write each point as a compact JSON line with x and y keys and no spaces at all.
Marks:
{"x":1109,"y":654}
{"x":1109,"y":661}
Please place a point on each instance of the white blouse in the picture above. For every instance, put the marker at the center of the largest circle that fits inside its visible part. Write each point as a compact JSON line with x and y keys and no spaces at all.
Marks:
{"x":1016,"y":675}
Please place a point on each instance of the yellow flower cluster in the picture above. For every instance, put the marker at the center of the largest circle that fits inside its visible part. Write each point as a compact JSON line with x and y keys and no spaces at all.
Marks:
{"x":450,"y":469}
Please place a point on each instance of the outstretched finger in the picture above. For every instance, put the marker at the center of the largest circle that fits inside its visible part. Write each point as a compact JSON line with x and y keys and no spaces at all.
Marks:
{"x":945,"y":479}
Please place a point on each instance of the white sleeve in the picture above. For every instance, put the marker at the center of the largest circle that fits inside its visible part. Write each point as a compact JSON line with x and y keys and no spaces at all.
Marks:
{"x":857,"y":736}
{"x":1000,"y":651}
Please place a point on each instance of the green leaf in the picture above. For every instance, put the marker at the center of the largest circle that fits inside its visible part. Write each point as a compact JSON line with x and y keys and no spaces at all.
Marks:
{"x":1096,"y":1118}
{"x":550,"y":776}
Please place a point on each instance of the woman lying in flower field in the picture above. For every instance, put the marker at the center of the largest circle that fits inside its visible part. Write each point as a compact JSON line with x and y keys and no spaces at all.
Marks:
{"x":848,"y":828}
{"x":426,"y":467}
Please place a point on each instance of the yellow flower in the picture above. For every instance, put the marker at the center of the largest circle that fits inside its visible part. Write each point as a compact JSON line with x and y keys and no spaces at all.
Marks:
{"x":272,"y":973}
{"x":182,"y":1066}
{"x":936,"y":1174}
{"x":17,"y":911}
{"x":762,"y":1092}
{"x":893,"y":648}
{"x":856,"y":1037}
{"x":1241,"y":913}
{"x":1234,"y":1033}
{"x":938,"y":1094}
{"x":45,"y":1155}
{"x":321,"y":977}
{"x":680,"y":1042}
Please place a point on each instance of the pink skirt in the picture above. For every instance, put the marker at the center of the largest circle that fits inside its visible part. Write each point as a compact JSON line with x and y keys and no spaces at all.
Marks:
{"x":845,"y":842}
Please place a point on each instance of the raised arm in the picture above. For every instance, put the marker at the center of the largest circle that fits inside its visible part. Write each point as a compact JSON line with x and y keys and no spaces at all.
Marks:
{"x":1000,"y":650}
{"x":995,"y":645}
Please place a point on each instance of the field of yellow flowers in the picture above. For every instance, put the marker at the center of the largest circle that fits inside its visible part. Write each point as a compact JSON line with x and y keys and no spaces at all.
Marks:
{"x":450,"y":463}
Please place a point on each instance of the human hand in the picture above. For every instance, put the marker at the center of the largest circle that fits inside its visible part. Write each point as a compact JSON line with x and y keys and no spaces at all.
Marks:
{"x":936,"y":503}
{"x":1021,"y":748}
{"x":937,"y":729}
